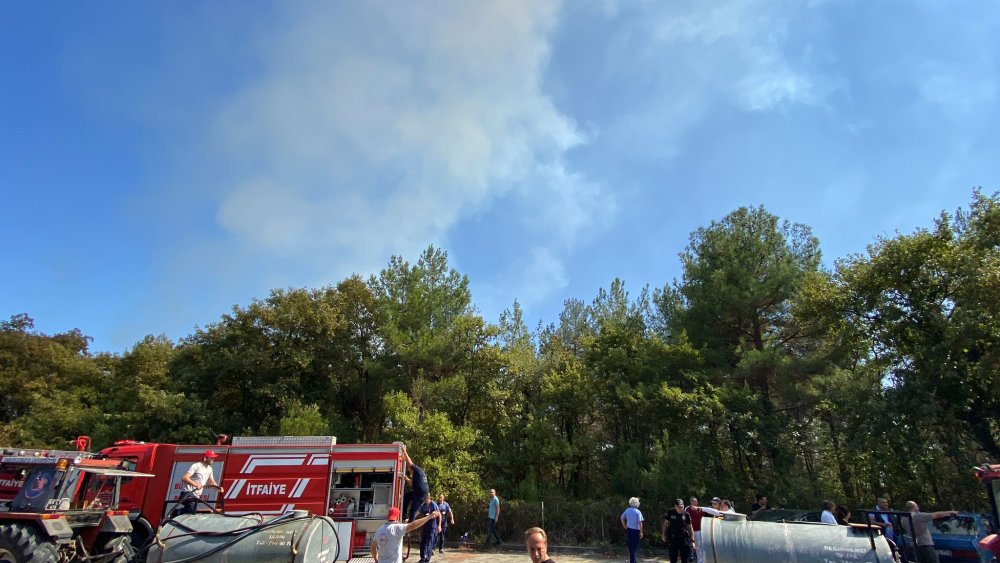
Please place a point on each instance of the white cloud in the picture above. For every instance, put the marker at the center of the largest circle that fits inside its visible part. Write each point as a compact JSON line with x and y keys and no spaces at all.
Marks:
{"x":741,"y":43}
{"x":541,"y":276}
{"x":374,"y":128}
{"x":267,"y":214}
{"x":960,"y":95}
{"x":684,"y":61}
{"x":842,"y":193}
{"x":706,"y":24}
{"x":573,"y":207}
{"x":769,"y":82}
{"x":570,"y":210}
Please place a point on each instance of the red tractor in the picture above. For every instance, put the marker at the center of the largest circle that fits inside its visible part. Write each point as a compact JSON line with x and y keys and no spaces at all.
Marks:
{"x":65,"y":508}
{"x":990,"y":476}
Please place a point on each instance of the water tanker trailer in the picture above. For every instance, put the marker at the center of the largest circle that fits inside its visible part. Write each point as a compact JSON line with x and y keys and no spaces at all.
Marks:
{"x":293,"y":537}
{"x":735,"y":539}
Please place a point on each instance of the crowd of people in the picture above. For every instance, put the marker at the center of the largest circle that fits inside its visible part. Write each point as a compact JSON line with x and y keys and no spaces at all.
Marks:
{"x":421,"y":512}
{"x":680,"y":530}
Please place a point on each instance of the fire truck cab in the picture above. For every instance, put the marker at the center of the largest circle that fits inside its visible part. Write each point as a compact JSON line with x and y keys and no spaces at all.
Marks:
{"x":355,"y":484}
{"x":63,"y":506}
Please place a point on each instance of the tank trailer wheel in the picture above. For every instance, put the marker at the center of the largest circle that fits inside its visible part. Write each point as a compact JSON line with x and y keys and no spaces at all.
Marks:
{"x":21,"y":544}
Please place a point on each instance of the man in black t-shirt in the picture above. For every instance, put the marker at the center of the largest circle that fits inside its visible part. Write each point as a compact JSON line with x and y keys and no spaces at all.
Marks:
{"x":678,"y":534}
{"x":759,"y":506}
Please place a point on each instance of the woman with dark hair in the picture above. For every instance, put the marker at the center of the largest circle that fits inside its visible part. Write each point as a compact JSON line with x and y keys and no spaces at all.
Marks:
{"x":843,"y":516}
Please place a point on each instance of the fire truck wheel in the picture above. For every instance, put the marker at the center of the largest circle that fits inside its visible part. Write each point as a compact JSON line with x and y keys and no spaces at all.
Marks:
{"x":121,"y":544}
{"x":23,"y":544}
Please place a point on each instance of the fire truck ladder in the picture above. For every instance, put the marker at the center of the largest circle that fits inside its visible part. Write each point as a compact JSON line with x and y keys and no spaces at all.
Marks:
{"x":321,"y":441}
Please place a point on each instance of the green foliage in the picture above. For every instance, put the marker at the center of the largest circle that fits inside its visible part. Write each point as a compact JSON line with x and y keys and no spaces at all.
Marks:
{"x":756,"y":372}
{"x":927,"y":306}
{"x":52,"y":388}
{"x":303,"y":420}
{"x":441,"y":448}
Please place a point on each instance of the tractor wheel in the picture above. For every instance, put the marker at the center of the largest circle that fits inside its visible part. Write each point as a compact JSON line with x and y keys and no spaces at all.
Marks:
{"x":122,"y":544}
{"x":141,"y":534}
{"x":23,"y":544}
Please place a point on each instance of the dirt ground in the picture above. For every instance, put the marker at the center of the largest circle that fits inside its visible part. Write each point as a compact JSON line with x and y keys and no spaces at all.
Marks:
{"x":522,"y":557}
{"x":511,"y":554}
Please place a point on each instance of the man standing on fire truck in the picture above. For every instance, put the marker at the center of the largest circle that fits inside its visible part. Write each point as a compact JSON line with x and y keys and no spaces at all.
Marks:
{"x":195,"y":480}
{"x":413,"y":499}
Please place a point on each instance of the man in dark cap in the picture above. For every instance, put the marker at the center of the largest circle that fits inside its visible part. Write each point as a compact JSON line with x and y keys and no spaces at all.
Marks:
{"x":678,"y":533}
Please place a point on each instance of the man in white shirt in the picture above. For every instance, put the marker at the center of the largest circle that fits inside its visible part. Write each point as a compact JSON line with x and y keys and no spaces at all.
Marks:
{"x":198,"y":476}
{"x":388,"y":539}
{"x":827,"y":517}
{"x":718,"y":508}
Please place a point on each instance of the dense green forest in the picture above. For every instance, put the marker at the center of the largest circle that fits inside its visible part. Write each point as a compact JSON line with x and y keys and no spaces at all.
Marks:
{"x":760,"y":370}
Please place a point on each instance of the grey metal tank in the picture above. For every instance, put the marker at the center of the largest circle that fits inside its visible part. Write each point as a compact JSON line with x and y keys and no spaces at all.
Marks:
{"x":292,"y":537}
{"x":738,"y":540}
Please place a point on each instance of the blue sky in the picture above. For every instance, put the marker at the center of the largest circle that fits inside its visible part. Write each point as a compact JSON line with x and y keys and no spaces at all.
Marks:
{"x":162,"y":162}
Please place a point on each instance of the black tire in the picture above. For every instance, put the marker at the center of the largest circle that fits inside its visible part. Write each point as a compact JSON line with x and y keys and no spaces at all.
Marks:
{"x":141,"y":534}
{"x":24,"y":544}
{"x":121,"y":544}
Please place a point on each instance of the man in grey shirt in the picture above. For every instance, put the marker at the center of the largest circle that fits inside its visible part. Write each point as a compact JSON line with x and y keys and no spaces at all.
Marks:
{"x":921,"y":535}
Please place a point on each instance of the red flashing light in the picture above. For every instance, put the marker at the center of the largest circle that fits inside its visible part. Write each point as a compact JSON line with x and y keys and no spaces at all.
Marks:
{"x":128,"y":442}
{"x":991,"y":543}
{"x":986,"y":472}
{"x":82,"y":443}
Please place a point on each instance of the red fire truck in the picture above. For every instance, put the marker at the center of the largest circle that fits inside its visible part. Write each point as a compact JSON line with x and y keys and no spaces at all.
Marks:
{"x":355,"y":484}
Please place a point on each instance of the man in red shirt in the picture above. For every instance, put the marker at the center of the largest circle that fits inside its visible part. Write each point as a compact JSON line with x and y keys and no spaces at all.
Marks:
{"x":695,"y":512}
